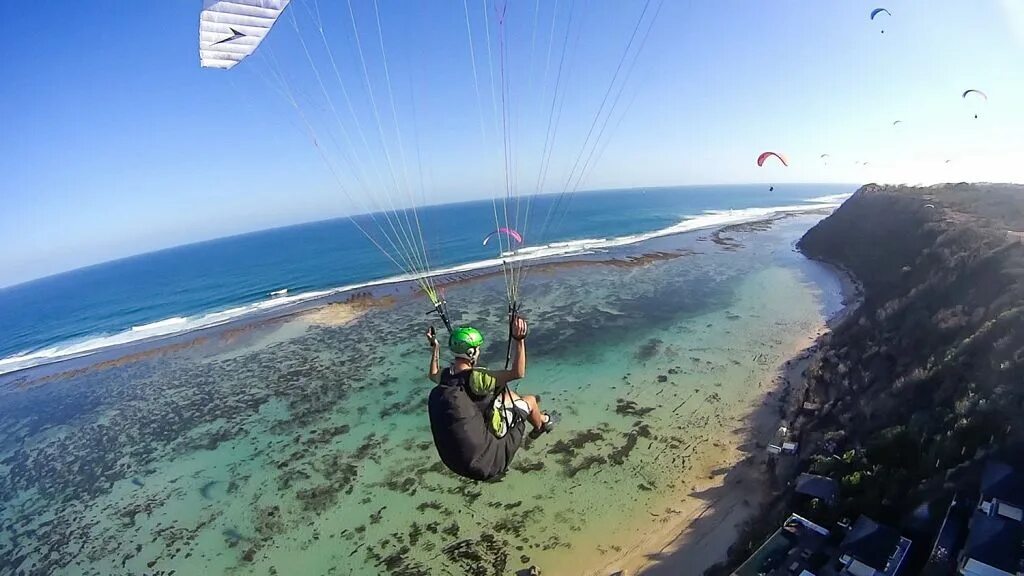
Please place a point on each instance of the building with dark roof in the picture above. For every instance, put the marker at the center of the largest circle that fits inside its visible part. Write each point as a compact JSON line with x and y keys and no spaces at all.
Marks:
{"x":820,"y":487}
{"x":872,"y":549}
{"x":1002,"y":491}
{"x":995,"y":547}
{"x":795,"y":548}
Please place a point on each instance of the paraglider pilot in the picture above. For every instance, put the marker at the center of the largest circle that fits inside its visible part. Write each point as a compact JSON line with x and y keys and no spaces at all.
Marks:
{"x":477,"y":422}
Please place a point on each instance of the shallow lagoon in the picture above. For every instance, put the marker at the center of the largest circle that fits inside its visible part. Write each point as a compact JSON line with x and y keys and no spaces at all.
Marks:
{"x":298,"y":447}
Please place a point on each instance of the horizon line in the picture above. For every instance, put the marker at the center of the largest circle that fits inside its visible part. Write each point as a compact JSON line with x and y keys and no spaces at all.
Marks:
{"x":352,"y":217}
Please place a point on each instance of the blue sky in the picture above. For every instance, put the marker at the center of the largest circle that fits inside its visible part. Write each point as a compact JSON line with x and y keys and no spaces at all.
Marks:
{"x":117,"y":142}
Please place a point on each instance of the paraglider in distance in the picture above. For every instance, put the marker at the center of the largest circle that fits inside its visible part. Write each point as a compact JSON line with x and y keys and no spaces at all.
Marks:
{"x":976,"y":93}
{"x":507,"y":232}
{"x":878,"y":11}
{"x":765,"y":155}
{"x":897,"y":122}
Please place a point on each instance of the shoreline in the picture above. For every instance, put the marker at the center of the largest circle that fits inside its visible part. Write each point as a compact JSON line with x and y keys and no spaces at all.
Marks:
{"x":705,"y":532}
{"x":619,"y":250}
{"x":336,"y":309}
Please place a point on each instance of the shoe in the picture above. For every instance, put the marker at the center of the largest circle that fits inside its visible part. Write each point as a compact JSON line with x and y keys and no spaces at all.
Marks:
{"x":549,"y":424}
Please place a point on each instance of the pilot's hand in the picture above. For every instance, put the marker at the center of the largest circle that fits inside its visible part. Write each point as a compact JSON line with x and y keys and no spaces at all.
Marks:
{"x":519,"y":328}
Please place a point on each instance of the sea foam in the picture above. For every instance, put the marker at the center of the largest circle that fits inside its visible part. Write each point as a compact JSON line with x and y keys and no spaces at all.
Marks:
{"x":179,"y":325}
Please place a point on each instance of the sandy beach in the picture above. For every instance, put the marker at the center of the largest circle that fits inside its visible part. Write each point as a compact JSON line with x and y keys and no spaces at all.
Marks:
{"x":727,"y":486}
{"x":347,"y":312}
{"x":731,"y":484}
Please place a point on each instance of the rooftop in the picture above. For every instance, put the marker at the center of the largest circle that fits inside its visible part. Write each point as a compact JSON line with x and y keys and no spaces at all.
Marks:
{"x":995,"y":541}
{"x":870,"y":542}
{"x":790,"y":550}
{"x":1002,"y":482}
{"x":825,"y":489}
{"x":875,"y":545}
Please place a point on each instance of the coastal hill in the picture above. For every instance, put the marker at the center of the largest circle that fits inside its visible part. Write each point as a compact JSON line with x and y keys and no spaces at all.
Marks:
{"x":922,"y":382}
{"x":925,"y":378}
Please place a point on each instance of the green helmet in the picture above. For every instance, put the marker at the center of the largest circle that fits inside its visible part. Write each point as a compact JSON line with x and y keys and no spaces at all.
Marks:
{"x":465,"y":339}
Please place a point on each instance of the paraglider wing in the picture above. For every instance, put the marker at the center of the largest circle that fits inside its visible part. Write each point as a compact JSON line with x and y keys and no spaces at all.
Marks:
{"x":506,"y":231}
{"x":229,"y":31}
{"x":897,"y":123}
{"x":877,"y":11}
{"x":765,"y":155}
{"x":978,"y":92}
{"x":825,"y":156}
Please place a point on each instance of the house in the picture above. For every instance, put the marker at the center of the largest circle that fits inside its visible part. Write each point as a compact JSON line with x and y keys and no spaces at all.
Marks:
{"x":795,"y":548}
{"x":820,"y":487}
{"x":995,"y":541}
{"x":872,"y":549}
{"x":993,"y":547}
{"x":1002,"y":491}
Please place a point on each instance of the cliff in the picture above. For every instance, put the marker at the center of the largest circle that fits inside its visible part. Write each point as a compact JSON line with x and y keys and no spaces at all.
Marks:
{"x":927,"y":375}
{"x":923,"y":381}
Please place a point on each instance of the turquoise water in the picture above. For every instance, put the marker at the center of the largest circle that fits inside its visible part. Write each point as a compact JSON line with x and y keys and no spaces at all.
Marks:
{"x":182,"y":289}
{"x":297,"y":447}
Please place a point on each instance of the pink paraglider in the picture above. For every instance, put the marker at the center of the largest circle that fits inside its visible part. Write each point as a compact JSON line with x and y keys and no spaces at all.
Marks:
{"x":765,"y":155}
{"x":506,"y":231}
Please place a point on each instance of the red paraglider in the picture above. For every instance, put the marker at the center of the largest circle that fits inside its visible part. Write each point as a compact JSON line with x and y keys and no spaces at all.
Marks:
{"x":765,"y":155}
{"x":506,"y":231}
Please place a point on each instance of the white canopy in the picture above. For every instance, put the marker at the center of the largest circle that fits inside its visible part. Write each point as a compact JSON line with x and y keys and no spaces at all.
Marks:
{"x":230,"y":30}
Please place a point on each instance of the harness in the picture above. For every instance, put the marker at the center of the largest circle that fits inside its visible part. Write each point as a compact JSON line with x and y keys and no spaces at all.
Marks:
{"x":500,"y":414}
{"x":461,"y":382}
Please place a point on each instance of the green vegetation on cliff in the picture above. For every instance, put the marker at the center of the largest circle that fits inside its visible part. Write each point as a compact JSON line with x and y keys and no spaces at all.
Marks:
{"x":927,"y":375}
{"x":923,"y":381}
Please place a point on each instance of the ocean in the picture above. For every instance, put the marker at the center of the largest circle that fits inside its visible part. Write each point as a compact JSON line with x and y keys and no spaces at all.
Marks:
{"x":294,"y":439}
{"x":180,"y":289}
